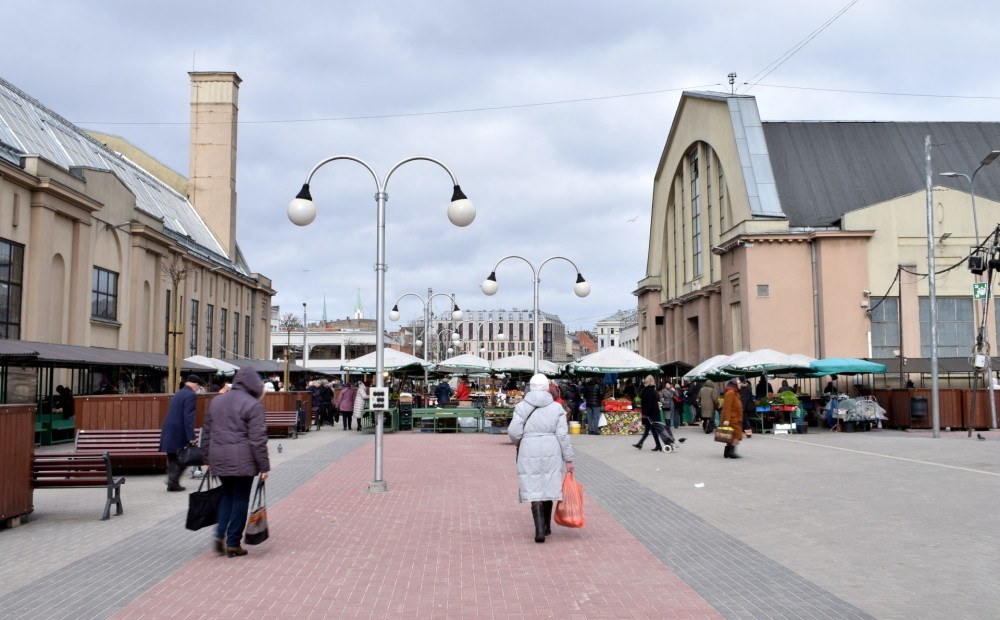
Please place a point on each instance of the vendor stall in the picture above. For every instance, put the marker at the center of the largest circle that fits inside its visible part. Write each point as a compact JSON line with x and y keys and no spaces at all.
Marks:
{"x":622,"y":418}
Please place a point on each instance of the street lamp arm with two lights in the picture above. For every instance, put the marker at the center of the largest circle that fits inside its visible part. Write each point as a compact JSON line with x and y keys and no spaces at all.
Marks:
{"x":581,"y":288}
{"x":302,"y":212}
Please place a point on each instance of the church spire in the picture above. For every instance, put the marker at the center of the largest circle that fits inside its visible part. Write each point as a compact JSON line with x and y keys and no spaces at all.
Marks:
{"x":358,"y":312}
{"x":324,"y":308}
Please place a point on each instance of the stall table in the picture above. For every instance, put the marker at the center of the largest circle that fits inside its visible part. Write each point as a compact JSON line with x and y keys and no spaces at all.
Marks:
{"x":437,"y":416}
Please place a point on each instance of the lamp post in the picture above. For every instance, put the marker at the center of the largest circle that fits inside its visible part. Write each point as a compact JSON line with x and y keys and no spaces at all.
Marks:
{"x":490,"y":286}
{"x":478,"y":325}
{"x":989,"y":159}
{"x":305,"y":330}
{"x":302,"y":211}
{"x":456,"y":313}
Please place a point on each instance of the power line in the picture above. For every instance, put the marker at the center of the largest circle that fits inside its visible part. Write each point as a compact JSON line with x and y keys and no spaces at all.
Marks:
{"x":427,"y":113}
{"x":771,"y":68}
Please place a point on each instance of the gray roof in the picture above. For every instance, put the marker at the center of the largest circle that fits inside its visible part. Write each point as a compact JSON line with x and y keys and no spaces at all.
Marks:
{"x":826,"y":169}
{"x":72,"y":356}
{"x":28,"y":128}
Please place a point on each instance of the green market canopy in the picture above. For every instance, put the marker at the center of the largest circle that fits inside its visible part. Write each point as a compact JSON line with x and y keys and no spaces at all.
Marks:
{"x":523,"y":364}
{"x":465,"y":363}
{"x":613,"y":360}
{"x":845,"y":366}
{"x":393,"y":361}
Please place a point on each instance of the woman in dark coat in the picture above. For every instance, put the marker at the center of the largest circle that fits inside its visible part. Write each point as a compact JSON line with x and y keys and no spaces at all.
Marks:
{"x":651,"y":414}
{"x":234,"y":441}
{"x":732,"y":416}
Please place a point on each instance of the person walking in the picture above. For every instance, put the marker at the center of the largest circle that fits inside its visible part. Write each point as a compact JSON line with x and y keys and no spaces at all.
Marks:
{"x":732,"y":416}
{"x":709,"y":403}
{"x":326,"y":412}
{"x":234,"y":442}
{"x":178,"y":428}
{"x":345,"y":405}
{"x":652,"y":415}
{"x":544,"y":452}
{"x":593,"y":395}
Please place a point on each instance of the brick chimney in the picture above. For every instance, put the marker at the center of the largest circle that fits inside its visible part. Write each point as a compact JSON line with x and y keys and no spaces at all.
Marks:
{"x":212,"y":183}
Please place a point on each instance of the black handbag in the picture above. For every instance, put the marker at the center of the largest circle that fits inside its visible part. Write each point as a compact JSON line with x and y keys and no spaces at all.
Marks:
{"x":190,"y":455}
{"x":256,"y":530}
{"x":203,"y":505}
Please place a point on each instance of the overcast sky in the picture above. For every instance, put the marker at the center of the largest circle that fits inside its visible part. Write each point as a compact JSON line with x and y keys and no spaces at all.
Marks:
{"x":552,"y":115}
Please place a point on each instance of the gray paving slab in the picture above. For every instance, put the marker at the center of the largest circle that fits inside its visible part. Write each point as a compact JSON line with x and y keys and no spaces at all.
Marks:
{"x":882,"y":524}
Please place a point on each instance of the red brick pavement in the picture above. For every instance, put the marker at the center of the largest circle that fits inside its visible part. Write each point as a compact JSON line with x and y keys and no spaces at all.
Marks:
{"x":450,"y":541}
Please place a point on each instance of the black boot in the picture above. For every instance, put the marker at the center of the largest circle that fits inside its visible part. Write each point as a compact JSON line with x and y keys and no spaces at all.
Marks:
{"x":538,"y":514}
{"x":728,"y":452}
{"x":732,"y":453}
{"x":174,"y":471}
{"x":547,"y":506}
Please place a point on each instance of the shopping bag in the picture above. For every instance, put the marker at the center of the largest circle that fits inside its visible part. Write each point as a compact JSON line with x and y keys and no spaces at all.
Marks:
{"x":203,"y":504}
{"x":603,"y":421}
{"x":569,"y":510}
{"x":256,"y":530}
{"x":190,"y":456}
{"x":724,"y":434}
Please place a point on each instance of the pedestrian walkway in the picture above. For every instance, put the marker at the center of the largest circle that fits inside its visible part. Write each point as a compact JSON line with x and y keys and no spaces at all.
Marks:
{"x":804,"y":526}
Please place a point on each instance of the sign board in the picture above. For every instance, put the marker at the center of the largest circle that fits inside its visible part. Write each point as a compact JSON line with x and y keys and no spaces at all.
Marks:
{"x":379,"y":398}
{"x":979,"y":290}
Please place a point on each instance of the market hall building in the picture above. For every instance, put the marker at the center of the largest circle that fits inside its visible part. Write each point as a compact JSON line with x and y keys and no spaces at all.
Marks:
{"x":811,"y":237}
{"x":89,"y":226}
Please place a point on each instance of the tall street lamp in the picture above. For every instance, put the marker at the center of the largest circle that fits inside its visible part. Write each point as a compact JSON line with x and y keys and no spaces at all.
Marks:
{"x":979,"y":259}
{"x":305,"y":330}
{"x":456,"y":313}
{"x":302,"y":211}
{"x":490,"y":286}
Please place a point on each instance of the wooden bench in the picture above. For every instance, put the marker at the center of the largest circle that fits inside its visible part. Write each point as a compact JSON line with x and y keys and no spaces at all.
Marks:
{"x":282,"y":423}
{"x":128,"y":448}
{"x":60,"y":471}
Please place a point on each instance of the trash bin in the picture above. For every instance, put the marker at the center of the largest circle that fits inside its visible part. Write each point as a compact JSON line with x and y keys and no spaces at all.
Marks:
{"x":918,"y":408}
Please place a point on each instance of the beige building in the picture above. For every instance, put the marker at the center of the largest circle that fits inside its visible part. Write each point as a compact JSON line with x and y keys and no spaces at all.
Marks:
{"x":496,"y":334}
{"x":811,"y":237}
{"x":90,"y":226}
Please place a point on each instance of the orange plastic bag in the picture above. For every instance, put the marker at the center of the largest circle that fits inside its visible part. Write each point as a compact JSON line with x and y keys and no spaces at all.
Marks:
{"x":569,"y":510}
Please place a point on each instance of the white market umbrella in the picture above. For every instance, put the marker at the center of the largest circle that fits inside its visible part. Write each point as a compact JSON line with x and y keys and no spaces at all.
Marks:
{"x":524,"y":363}
{"x":763,"y":361}
{"x":614,"y":360}
{"x":698,"y":372}
{"x":464,"y":364}
{"x":221,"y":367}
{"x":392,"y":361}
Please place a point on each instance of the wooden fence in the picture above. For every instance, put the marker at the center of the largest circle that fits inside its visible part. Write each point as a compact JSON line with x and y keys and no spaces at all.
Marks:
{"x":17,"y":444}
{"x":953,"y":406}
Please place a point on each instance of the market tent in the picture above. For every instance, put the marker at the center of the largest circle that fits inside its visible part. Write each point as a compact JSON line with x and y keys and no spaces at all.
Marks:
{"x":392,"y":361}
{"x":221,"y":367}
{"x":698,"y":373}
{"x":845,"y":366}
{"x":675,"y":368}
{"x":763,"y":361}
{"x":524,"y":364}
{"x":613,"y":360}
{"x":465,"y":363}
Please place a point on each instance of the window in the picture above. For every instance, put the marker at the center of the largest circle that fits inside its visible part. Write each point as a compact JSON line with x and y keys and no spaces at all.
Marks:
{"x":246,"y":336}
{"x":166,"y":330}
{"x":955,"y":326}
{"x":104,"y":295}
{"x":708,"y":209}
{"x":722,"y":201}
{"x":193,"y":347}
{"x":222,"y":332}
{"x":695,"y":216}
{"x":209,"y":324}
{"x":885,"y":328}
{"x":236,"y":334}
{"x":11,"y":274}
{"x":658,"y":320}
{"x":763,"y":290}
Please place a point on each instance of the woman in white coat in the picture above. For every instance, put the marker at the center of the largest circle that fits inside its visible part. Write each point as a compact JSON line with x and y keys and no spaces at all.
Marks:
{"x":540,"y":432}
{"x":359,"y":401}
